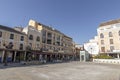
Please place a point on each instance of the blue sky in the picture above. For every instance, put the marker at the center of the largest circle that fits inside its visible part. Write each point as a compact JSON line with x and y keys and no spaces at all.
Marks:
{"x":78,"y":19}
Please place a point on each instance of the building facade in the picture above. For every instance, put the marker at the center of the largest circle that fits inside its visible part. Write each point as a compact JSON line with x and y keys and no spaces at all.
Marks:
{"x":35,"y":42}
{"x":109,"y":37}
{"x":13,"y":42}
{"x":92,"y":46}
{"x":52,"y":43}
{"x":52,"y":39}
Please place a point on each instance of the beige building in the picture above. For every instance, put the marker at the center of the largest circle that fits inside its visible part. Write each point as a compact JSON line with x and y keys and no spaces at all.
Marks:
{"x":49,"y":42}
{"x":52,"y":40}
{"x":109,"y":37}
{"x":9,"y":35}
{"x":34,"y":42}
{"x":13,"y":41}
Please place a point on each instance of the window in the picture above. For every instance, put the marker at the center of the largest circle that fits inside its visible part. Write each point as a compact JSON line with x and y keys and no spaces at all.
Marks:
{"x":58,"y":43}
{"x":30,"y":44}
{"x":49,"y":35}
{"x":29,"y":47}
{"x":110,"y":34}
{"x":10,"y":45}
{"x":31,"y":37}
{"x":38,"y":38}
{"x":44,"y":33}
{"x":111,"y":48}
{"x":0,"y":33}
{"x":119,"y":33}
{"x":44,"y":40}
{"x":49,"y":41}
{"x":50,"y":47}
{"x":111,"y":41}
{"x":11,"y":36}
{"x":101,"y":35}
{"x":103,"y":49}
{"x":37,"y":45}
{"x":58,"y":38}
{"x":53,"y":48}
{"x":21,"y":46}
{"x":102,"y":41}
{"x":22,"y":38}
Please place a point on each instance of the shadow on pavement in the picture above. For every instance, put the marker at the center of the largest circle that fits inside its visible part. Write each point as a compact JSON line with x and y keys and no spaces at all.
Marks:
{"x":13,"y":65}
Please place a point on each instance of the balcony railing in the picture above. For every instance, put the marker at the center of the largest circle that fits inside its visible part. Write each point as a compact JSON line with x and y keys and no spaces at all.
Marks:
{"x":49,"y":37}
{"x":55,"y":50}
{"x":50,"y":50}
{"x":44,"y":49}
{"x":61,"y":51}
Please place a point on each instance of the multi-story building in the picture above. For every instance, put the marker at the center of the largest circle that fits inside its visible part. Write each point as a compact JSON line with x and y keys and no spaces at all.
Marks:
{"x":109,"y":37}
{"x":52,"y":43}
{"x":51,"y":39}
{"x":34,"y":42}
{"x":13,"y":42}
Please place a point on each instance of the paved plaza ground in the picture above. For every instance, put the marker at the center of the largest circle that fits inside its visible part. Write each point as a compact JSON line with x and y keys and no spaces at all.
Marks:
{"x":62,"y":71}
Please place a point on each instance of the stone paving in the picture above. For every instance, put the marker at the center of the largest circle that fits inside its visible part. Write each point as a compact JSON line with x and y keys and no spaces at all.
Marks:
{"x":61,"y":71}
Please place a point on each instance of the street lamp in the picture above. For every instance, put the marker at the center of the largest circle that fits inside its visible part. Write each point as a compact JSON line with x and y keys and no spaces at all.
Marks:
{"x":91,"y":53}
{"x":91,"y":50}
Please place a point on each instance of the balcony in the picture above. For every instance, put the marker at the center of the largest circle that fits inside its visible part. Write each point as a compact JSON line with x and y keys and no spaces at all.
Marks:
{"x":50,"y":50}
{"x":44,"y":50}
{"x":49,"y":41}
{"x":57,"y":39}
{"x":55,"y":50}
{"x":49,"y":37}
{"x":57,"y":43}
{"x":61,"y":51}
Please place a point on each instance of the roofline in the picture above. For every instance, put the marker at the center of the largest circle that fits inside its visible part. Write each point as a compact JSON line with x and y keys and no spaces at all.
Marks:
{"x":52,"y":29}
{"x":11,"y":29}
{"x":109,"y":22}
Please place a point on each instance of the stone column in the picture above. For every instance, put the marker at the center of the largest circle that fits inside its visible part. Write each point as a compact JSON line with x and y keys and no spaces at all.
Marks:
{"x":3,"y":55}
{"x":58,"y":56}
{"x":55,"y":57}
{"x":63,"y":57}
{"x":40,"y":57}
{"x":15,"y":56}
{"x":46,"y":57}
{"x":118,"y":56}
{"x":25,"y":56}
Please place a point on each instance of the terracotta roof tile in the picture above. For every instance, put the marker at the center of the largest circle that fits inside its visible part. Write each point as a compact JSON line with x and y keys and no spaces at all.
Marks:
{"x":109,"y":22}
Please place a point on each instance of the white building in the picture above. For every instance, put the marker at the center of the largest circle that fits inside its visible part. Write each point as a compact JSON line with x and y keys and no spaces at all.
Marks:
{"x":92,"y":46}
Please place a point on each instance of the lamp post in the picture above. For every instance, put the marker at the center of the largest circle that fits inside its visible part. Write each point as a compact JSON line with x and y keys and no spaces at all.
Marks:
{"x":91,"y":53}
{"x":91,"y":50}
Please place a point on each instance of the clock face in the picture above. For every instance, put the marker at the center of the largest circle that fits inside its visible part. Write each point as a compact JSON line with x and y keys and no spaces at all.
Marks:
{"x":92,"y":48}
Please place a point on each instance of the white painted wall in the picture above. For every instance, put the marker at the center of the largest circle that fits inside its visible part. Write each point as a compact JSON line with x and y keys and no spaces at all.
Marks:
{"x":91,"y":47}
